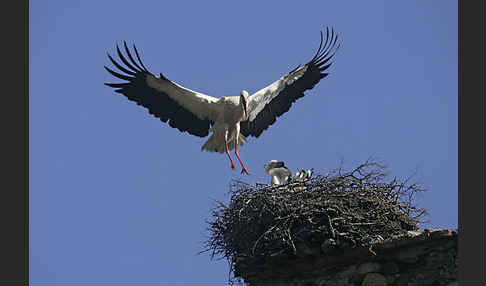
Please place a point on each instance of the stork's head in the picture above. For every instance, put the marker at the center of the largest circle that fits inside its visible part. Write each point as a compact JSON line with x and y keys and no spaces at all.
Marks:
{"x":244,"y":103}
{"x":273,"y":164}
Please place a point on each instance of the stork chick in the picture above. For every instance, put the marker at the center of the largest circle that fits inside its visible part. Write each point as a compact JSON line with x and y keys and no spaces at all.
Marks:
{"x":278,"y":172}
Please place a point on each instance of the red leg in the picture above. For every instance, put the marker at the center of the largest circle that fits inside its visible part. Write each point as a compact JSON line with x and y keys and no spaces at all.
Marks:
{"x":243,"y":170}
{"x":228,"y":153}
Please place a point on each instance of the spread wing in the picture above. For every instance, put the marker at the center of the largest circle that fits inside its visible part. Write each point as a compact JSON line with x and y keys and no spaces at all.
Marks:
{"x":181,"y":107}
{"x":265,"y":105}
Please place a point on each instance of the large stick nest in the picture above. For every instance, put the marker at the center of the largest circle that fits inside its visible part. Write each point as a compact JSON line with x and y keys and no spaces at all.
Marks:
{"x":333,"y":211}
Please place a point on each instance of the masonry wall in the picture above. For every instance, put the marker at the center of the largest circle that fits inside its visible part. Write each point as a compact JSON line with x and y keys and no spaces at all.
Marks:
{"x":426,"y":257}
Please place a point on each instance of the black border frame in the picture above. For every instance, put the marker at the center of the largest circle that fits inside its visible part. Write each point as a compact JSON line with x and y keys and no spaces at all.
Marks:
{"x":15,"y":119}
{"x":470,"y":216}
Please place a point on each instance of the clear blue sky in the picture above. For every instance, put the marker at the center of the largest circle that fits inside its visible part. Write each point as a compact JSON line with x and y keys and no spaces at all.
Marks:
{"x":119,"y":198}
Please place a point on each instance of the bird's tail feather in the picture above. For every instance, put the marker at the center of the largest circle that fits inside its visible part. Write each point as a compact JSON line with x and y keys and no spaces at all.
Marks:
{"x":216,"y":143}
{"x":241,"y":142}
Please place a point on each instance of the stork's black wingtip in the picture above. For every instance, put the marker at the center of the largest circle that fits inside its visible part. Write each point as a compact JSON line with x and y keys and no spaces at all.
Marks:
{"x":139,"y":59}
{"x":125,"y":44}
{"x":118,"y":49}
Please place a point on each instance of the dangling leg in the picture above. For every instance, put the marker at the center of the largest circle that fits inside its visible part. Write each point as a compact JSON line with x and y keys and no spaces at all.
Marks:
{"x":243,"y":168}
{"x":227,"y":149}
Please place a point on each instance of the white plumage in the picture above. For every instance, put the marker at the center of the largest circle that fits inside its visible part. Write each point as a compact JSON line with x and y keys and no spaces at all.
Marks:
{"x":232,"y":118}
{"x":303,"y":175}
{"x":279,"y":173}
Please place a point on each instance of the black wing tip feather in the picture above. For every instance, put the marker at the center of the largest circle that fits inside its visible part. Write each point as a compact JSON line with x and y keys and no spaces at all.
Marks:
{"x":319,"y":50}
{"x":157,"y":103}
{"x":132,"y":68}
{"x":138,"y":57}
{"x":131,"y":58}
{"x":323,"y":53}
{"x":282,"y":103}
{"x":118,"y":75}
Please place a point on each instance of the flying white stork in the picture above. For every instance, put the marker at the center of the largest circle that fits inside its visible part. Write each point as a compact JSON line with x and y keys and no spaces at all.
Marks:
{"x":230,"y":118}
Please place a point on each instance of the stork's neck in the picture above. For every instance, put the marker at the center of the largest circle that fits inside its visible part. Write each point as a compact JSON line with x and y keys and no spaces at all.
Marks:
{"x":244,"y":111}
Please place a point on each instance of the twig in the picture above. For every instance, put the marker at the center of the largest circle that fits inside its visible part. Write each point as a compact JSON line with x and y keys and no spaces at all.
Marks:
{"x":266,"y":232}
